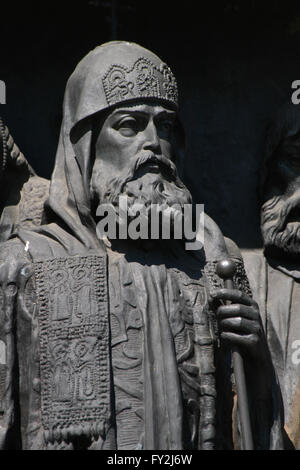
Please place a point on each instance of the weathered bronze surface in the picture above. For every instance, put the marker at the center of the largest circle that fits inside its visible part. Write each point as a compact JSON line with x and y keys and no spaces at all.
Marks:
{"x":22,"y":192}
{"x":125,"y":344}
{"x":274,"y":272}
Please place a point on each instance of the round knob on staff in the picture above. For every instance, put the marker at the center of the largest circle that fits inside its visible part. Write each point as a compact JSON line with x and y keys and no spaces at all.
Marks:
{"x":226,"y":269}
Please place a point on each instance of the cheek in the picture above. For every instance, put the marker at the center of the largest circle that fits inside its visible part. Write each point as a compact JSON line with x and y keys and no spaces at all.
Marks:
{"x":166,"y":148}
{"x":284,"y":174}
{"x":287,"y":181}
{"x":113,"y":150}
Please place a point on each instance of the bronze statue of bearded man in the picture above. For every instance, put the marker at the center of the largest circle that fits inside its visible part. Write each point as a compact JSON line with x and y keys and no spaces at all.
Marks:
{"x":125,"y":343}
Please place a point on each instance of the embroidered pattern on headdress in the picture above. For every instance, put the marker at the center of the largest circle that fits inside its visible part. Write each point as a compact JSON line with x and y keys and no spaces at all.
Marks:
{"x":143,"y":79}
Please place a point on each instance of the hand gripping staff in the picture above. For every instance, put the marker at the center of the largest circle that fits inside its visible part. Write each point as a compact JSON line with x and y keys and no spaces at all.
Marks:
{"x":225,"y":269}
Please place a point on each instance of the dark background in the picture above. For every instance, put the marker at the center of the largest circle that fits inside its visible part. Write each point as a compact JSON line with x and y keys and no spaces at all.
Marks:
{"x":234,"y":61}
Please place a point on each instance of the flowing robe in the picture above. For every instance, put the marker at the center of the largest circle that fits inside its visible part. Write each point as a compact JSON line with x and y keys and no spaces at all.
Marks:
{"x":277,"y":291}
{"x":139,"y":367}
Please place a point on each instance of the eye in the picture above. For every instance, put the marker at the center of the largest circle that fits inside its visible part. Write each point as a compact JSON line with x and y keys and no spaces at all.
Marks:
{"x":128,"y":127}
{"x":166,"y":127}
{"x":293,"y":159}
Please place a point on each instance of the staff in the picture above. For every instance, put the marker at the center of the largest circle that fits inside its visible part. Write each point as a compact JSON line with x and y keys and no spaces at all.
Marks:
{"x":225,"y":270}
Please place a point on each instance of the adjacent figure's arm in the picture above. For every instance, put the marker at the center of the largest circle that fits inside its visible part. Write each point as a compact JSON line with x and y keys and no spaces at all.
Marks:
{"x":12,"y":260}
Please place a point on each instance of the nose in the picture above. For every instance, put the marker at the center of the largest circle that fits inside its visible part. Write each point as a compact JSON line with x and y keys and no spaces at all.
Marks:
{"x":294,"y":187}
{"x":151,"y":138}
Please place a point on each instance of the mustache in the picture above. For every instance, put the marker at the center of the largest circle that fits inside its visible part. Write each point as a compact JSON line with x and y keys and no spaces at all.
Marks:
{"x":290,"y":212}
{"x":280,"y":226}
{"x":164,"y":163}
{"x":282,"y":210}
{"x":143,"y":163}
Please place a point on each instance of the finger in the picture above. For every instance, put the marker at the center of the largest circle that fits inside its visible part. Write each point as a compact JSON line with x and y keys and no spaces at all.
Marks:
{"x":234,"y":295}
{"x":240,"y":325}
{"x":3,"y":272}
{"x":25,"y":273}
{"x":244,"y":341}
{"x":237,"y":310}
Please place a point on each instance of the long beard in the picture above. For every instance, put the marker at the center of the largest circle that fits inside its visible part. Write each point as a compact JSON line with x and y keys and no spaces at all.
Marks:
{"x":280,"y":225}
{"x":149,"y":180}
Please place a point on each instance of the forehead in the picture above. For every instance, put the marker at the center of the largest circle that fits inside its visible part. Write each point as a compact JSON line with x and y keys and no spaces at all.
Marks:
{"x":149,"y":109}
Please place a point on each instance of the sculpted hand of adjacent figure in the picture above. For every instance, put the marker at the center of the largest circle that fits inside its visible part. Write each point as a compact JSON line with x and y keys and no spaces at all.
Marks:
{"x":14,"y":273}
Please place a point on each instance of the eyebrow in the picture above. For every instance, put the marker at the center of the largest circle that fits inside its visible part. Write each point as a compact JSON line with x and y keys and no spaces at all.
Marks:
{"x":168,"y":113}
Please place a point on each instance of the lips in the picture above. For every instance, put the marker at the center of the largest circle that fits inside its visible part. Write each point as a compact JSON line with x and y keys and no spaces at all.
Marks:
{"x":154,"y":165}
{"x":150,"y":166}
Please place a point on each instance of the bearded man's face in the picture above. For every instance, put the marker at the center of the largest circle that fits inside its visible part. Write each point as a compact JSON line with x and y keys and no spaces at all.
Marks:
{"x":280,"y":214}
{"x":133,"y":158}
